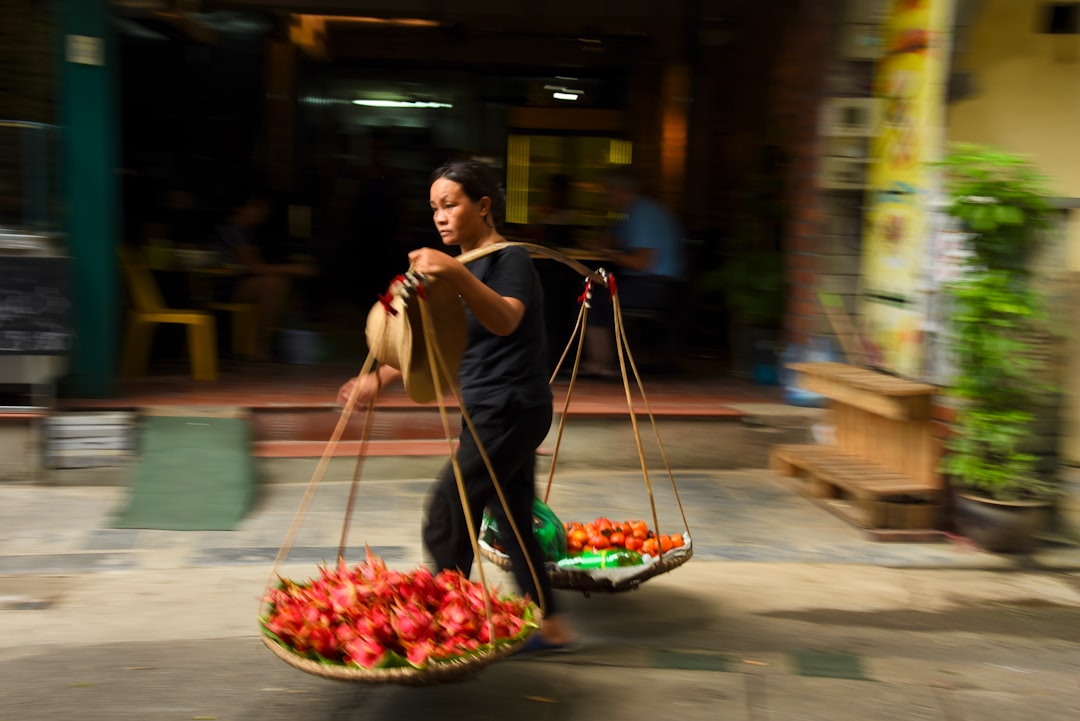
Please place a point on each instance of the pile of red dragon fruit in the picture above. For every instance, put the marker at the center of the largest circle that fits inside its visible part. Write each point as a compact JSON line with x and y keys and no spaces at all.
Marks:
{"x":374,"y":617}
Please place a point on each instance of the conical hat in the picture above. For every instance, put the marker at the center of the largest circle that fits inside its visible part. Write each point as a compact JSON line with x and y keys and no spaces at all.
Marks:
{"x":395,"y":333}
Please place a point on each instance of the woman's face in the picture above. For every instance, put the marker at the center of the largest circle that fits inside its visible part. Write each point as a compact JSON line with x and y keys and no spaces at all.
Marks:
{"x":459,"y":220}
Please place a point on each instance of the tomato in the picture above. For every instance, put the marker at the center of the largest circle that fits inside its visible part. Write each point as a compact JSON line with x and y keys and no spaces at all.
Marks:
{"x":617,"y":538}
{"x":578,"y":536}
{"x":633,"y":543}
{"x":649,"y":546}
{"x":572,"y":544}
{"x":676,"y":540}
{"x":599,"y":542}
{"x":665,"y":543}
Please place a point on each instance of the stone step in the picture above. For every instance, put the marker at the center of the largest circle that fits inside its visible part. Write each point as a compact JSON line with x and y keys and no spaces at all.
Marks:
{"x":590,"y":442}
{"x":595,"y":434}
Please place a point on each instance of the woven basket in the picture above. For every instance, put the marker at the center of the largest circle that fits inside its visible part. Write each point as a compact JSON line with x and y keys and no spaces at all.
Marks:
{"x":586,"y":582}
{"x":435,"y":672}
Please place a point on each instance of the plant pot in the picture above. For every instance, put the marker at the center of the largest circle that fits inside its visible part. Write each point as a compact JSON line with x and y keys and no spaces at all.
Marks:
{"x":754,"y":353}
{"x":1001,"y":526}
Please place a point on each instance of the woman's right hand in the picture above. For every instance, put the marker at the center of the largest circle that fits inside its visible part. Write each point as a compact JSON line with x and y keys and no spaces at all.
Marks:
{"x":369,"y":385}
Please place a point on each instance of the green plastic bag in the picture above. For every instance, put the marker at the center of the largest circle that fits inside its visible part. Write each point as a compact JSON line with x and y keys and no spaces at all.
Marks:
{"x":548,"y":529}
{"x":607,"y":558}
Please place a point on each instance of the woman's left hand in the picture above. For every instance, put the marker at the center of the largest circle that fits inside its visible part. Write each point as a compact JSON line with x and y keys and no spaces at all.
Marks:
{"x":434,"y":263}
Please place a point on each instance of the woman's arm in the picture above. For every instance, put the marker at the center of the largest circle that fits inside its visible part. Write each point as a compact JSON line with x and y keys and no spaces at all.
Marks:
{"x":370,"y":383}
{"x":499,"y":314}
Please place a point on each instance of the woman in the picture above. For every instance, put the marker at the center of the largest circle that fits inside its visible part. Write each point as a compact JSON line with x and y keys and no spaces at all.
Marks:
{"x":503,"y":378}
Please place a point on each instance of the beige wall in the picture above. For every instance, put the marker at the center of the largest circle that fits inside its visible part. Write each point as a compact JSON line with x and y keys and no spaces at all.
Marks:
{"x":1026,"y":95}
{"x":1026,"y":99}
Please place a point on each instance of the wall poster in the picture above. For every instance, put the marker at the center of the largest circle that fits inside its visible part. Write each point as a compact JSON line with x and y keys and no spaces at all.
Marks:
{"x":910,"y":82}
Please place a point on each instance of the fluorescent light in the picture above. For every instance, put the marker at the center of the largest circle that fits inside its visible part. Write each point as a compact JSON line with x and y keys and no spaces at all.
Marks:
{"x":399,"y":104}
{"x":564,"y":89}
{"x":564,"y":96}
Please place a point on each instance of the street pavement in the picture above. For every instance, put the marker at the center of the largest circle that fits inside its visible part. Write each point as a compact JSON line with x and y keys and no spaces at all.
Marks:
{"x":785,"y":612}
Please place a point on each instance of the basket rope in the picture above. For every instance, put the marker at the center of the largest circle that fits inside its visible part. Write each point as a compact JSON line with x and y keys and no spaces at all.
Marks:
{"x":627,"y":367}
{"x":440,"y":374}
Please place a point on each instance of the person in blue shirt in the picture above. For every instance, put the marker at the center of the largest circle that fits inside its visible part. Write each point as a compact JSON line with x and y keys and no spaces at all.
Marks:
{"x":649,"y":256}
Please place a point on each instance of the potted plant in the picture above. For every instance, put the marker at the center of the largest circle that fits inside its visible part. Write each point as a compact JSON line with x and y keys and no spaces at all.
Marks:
{"x":1001,"y":499}
{"x":750,"y":286}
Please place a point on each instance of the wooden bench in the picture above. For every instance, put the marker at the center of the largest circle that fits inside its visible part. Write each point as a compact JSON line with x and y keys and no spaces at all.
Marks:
{"x":880,"y":475}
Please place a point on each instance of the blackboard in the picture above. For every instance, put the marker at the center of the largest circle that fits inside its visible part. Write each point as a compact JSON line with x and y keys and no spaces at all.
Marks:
{"x":35,"y":306}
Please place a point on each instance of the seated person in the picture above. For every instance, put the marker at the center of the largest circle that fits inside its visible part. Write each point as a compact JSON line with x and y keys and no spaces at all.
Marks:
{"x":650,"y":270}
{"x":266,"y":285}
{"x":553,"y":222}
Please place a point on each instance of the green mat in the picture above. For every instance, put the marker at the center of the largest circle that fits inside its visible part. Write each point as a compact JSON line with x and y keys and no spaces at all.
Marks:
{"x":194,"y":473}
{"x":827,"y":664}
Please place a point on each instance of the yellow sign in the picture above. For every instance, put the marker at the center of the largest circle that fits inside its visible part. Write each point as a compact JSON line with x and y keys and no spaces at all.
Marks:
{"x":910,"y":84}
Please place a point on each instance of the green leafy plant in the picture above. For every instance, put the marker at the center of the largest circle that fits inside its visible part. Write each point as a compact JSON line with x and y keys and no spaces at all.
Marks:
{"x":1001,"y":200}
{"x":752,"y":283}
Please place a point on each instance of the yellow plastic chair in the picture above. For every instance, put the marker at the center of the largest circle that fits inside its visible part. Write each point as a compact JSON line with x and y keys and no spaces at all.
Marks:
{"x":148,"y":309}
{"x":242,"y":315}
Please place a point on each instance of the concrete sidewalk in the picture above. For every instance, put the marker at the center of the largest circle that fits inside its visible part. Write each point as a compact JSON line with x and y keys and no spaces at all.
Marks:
{"x":785,"y":612}
{"x":748,"y":515}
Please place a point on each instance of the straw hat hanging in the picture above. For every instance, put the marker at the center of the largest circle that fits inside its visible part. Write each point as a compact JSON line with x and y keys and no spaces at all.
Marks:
{"x":395,"y":332}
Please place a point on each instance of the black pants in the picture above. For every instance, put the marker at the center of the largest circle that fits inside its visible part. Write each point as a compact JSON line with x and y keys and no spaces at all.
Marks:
{"x":510,"y":436}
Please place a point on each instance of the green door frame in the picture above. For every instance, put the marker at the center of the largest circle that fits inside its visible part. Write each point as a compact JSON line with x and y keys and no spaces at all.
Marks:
{"x":89,"y":121}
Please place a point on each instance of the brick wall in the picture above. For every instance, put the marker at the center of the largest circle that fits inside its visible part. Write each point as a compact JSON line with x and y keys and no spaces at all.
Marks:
{"x":798,"y":87}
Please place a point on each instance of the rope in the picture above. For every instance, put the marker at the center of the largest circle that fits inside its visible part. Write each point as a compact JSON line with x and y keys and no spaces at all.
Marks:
{"x":623,"y":346}
{"x":536,"y":251}
{"x":474,"y":536}
{"x":579,"y":334}
{"x":431,"y":345}
{"x":439,"y":371}
{"x":317,"y":475}
{"x":602,"y":278}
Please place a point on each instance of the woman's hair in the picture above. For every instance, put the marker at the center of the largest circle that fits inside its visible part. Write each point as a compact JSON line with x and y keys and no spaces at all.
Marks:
{"x":476,"y":180}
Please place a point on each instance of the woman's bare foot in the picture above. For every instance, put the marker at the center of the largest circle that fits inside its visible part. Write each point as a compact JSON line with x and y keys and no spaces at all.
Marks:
{"x":556,"y":631}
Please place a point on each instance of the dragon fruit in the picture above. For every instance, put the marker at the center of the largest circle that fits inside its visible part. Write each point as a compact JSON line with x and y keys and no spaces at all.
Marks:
{"x":375,"y":617}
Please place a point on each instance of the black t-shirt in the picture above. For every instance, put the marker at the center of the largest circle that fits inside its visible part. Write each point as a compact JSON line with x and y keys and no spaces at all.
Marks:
{"x":507,"y":371}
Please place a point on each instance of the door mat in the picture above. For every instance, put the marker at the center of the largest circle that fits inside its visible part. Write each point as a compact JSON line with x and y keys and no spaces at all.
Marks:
{"x":827,"y":664}
{"x":194,"y":473}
